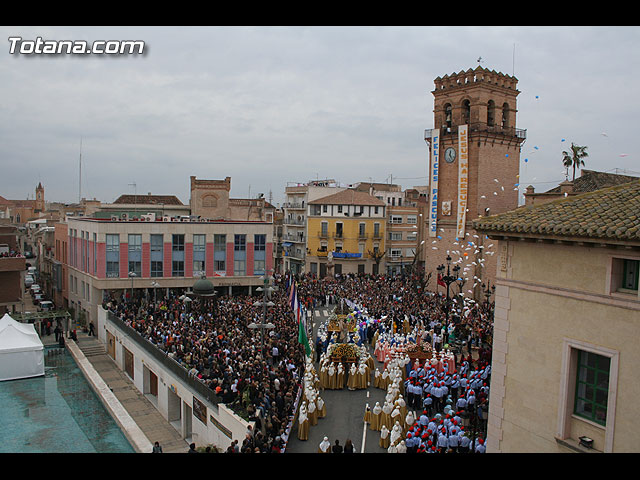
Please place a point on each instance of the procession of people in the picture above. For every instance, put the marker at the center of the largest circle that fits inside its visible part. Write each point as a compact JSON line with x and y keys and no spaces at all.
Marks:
{"x":387,"y":318}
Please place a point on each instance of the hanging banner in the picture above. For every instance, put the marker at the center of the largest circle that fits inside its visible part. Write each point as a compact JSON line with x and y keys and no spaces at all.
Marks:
{"x":463,"y":179}
{"x":433,"y":195}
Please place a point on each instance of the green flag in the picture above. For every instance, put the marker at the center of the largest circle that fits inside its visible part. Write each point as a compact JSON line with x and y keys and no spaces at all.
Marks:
{"x":302,"y":338}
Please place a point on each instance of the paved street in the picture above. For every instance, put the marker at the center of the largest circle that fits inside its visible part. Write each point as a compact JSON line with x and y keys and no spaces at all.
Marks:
{"x":345,"y":413}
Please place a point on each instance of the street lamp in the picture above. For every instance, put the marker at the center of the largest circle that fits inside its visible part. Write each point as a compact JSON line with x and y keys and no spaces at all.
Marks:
{"x":155,"y":286}
{"x":266,"y":293}
{"x":448,"y":279}
{"x":131,"y":276}
{"x":490,"y":290}
{"x":187,"y":302}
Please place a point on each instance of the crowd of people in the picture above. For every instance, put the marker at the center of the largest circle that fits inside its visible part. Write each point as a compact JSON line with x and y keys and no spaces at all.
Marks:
{"x":261,"y":378}
{"x":258,"y":378}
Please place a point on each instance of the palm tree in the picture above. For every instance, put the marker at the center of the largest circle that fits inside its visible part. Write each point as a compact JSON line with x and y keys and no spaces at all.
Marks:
{"x":574,"y":157}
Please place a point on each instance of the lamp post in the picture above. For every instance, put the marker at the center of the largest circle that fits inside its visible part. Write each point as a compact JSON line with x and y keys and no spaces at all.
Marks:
{"x":266,"y":290}
{"x":490,"y":290}
{"x":131,"y":276}
{"x":448,"y":279}
{"x":155,"y":286}
{"x":187,"y":302}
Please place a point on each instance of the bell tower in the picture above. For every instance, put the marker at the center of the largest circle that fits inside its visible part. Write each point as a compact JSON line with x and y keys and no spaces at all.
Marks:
{"x":39,"y":202}
{"x":474,"y":158}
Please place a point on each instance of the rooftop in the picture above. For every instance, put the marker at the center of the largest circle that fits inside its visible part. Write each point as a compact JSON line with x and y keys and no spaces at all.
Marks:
{"x":611,"y":213}
{"x":591,"y":180}
{"x":148,"y":200}
{"x":349,"y":197}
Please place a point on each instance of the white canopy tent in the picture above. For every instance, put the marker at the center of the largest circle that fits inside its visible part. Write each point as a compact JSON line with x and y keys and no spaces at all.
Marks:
{"x":21,"y":350}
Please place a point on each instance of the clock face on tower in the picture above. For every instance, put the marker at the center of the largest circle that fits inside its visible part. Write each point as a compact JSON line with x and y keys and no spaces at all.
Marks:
{"x":450,"y":154}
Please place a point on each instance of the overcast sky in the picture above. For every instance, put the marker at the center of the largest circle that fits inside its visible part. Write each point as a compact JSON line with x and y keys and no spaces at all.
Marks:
{"x":272,"y":105}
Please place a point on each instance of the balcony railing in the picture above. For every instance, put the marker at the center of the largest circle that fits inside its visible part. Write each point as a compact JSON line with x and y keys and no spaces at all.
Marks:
{"x":518,"y":133}
{"x":293,"y":238}
{"x":294,"y":205}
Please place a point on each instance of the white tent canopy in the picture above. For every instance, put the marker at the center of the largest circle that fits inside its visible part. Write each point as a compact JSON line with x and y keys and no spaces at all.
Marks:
{"x":21,"y":350}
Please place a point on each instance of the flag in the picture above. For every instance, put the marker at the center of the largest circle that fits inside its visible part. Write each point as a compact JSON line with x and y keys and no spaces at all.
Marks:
{"x":440,"y":282}
{"x":302,"y":336}
{"x":292,"y":296}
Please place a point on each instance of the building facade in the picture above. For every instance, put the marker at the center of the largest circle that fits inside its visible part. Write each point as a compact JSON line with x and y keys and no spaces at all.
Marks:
{"x":402,"y":225}
{"x":567,"y":306}
{"x":119,"y":256}
{"x":346,"y":232}
{"x":295,"y":235}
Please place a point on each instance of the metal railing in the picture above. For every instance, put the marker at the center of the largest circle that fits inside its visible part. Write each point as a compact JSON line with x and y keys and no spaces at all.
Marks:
{"x":519,"y":133}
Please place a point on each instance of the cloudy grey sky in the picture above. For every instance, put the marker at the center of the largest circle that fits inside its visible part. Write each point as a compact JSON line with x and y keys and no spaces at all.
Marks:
{"x":271,"y":105}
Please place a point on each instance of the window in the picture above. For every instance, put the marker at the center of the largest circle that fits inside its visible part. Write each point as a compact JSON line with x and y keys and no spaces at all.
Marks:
{"x":376,"y":230}
{"x":466,"y":112}
{"x":505,"y":115}
{"x":177,"y":255}
{"x":219,"y":252}
{"x":112,"y":255}
{"x":324,"y":208}
{"x":259,"y":254}
{"x":592,"y":387}
{"x":199,"y":246}
{"x":395,"y":253}
{"x":491,"y":113}
{"x":240,"y":255}
{"x":82,"y":266}
{"x":157,"y":255}
{"x":339,"y":208}
{"x":395,"y":219}
{"x":361,"y":229}
{"x":135,"y":254}
{"x":95,"y":253}
{"x":413,"y":219}
{"x":397,"y":236}
{"x":624,"y":275}
{"x":587,"y":372}
{"x":448,"y":115}
{"x":324,"y":226}
{"x":630,"y":274}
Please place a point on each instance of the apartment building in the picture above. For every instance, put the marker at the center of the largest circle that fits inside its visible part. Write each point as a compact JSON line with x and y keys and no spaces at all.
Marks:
{"x":295,"y":229}
{"x":346,"y":233}
{"x":135,"y":249}
{"x":402,"y":232}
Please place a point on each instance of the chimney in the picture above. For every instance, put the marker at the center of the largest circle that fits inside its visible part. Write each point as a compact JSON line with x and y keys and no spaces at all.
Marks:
{"x":566,"y":187}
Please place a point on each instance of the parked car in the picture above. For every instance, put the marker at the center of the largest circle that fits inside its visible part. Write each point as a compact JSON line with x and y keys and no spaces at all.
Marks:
{"x":37,"y":298}
{"x":46,"y":305}
{"x":35,"y":288}
{"x":28,"y":281}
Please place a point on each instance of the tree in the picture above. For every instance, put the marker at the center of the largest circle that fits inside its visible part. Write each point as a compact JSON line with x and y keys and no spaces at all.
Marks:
{"x":377,"y":256}
{"x":573,"y":158}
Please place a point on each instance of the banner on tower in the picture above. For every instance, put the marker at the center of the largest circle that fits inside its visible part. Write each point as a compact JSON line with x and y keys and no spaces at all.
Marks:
{"x":463,"y":179}
{"x":433,"y":191}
